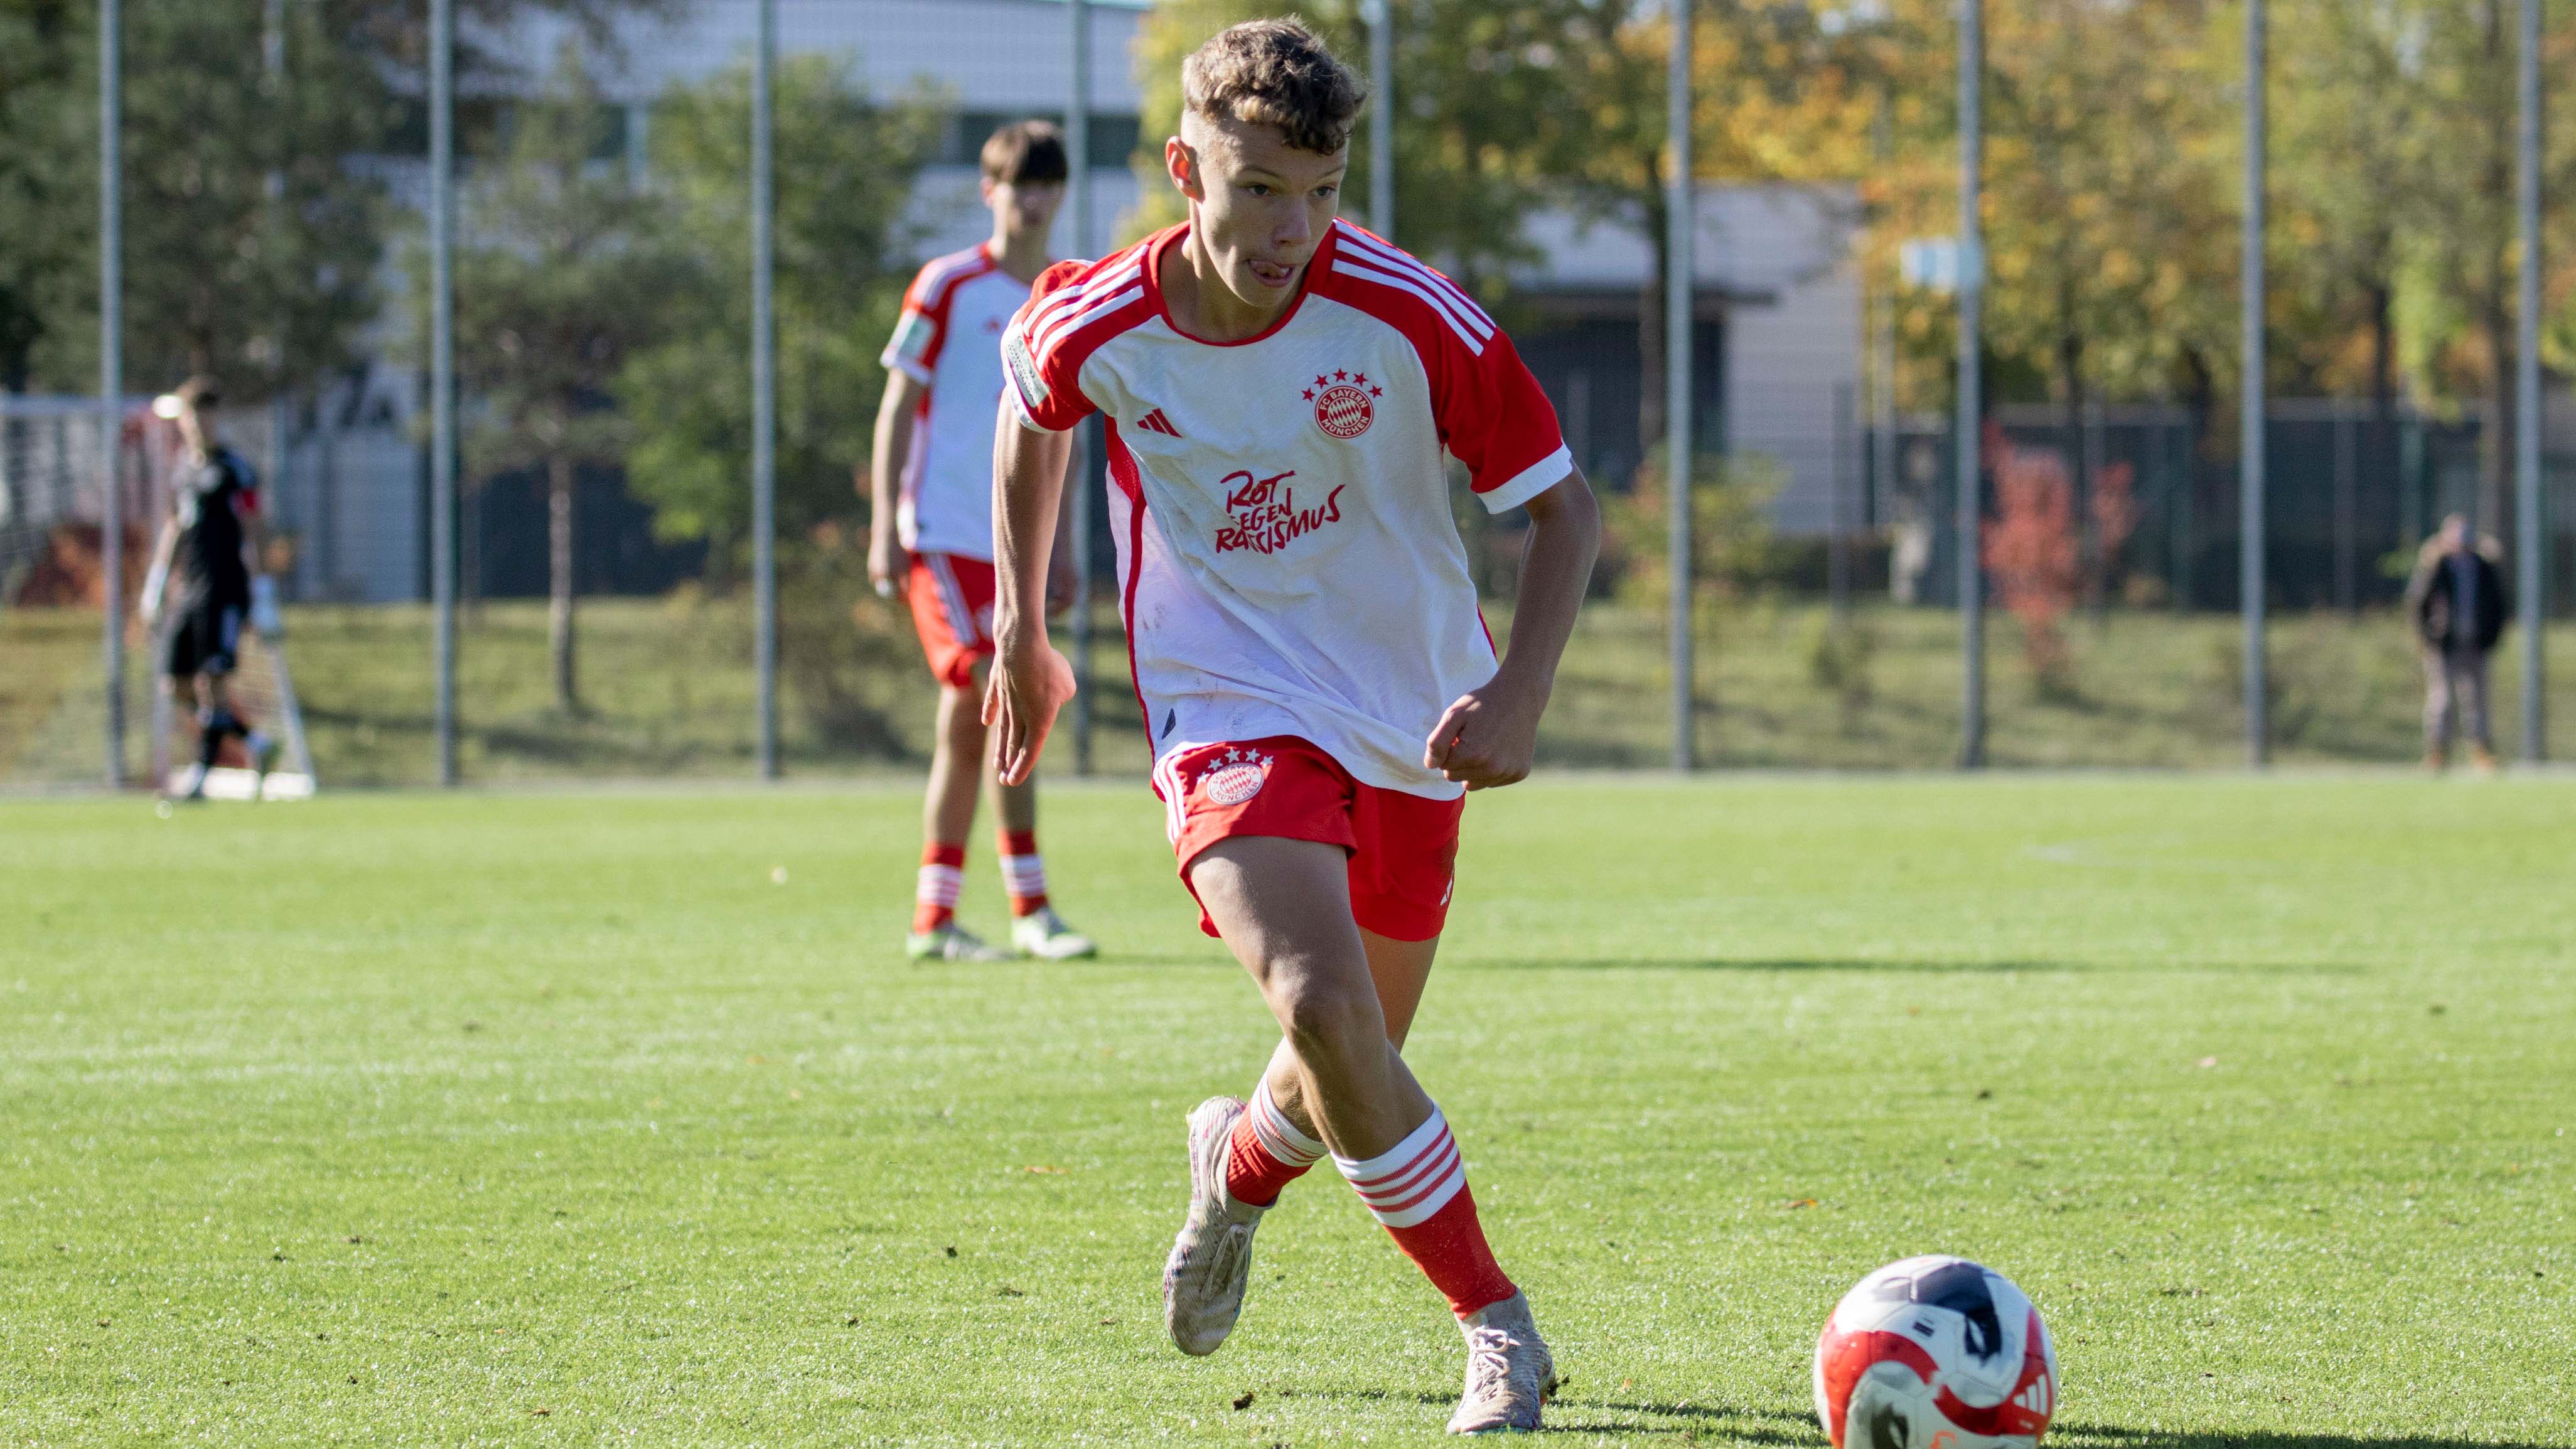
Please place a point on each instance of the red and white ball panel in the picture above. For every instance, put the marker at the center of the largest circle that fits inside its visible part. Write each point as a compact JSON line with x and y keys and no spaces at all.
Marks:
{"x":1935,"y":1353}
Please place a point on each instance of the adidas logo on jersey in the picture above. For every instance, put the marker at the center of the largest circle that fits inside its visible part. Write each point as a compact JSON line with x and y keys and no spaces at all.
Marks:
{"x":1155,"y":422}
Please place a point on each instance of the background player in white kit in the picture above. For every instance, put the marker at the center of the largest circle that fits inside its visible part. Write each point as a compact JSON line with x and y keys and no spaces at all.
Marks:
{"x":931,"y":535}
{"x":1319,"y":690}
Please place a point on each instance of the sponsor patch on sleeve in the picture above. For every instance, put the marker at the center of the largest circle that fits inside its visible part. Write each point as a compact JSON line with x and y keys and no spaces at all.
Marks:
{"x":912,"y":337}
{"x":1024,"y":370}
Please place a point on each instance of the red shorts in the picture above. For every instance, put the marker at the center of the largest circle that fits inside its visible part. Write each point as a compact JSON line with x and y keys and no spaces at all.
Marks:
{"x":952,"y":609}
{"x":1403,"y":849}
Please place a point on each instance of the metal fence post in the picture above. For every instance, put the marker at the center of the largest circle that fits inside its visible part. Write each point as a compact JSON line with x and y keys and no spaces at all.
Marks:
{"x":1077,"y":135}
{"x":1838,"y":513}
{"x":2250,"y":484}
{"x":2528,"y":520}
{"x":442,"y":378}
{"x":1681,"y":225}
{"x":1381,"y":41}
{"x":111,"y":375}
{"x":2347,"y":510}
{"x":764,"y":396}
{"x":1882,"y":388}
{"x":1970,"y":440}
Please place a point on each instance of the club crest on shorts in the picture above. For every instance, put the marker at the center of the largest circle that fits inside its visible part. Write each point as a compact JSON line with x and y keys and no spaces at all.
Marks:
{"x":1234,"y":777}
{"x":1342,"y":406}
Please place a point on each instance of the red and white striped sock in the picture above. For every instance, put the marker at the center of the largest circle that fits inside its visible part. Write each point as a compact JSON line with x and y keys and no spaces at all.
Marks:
{"x":1023,"y":872}
{"x":1266,"y":1151}
{"x":1418,"y":1191}
{"x":934,"y":892}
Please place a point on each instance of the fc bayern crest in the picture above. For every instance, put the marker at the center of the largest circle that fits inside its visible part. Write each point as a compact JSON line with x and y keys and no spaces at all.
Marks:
{"x":1342,"y":403}
{"x":1235,"y":776}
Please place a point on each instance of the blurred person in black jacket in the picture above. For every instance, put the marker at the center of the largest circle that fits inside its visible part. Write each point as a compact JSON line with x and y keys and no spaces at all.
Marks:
{"x":205,"y":573}
{"x":2459,"y":602}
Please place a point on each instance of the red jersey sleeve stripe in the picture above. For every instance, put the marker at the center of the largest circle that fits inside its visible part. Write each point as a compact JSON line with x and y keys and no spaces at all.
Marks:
{"x":1040,"y":325}
{"x":1475,"y":342}
{"x":1071,"y":326}
{"x":1393,"y":260}
{"x":1433,"y":286}
{"x":1386,"y":255}
{"x":1110,"y":272}
{"x":1068,"y":309}
{"x":940,"y":276}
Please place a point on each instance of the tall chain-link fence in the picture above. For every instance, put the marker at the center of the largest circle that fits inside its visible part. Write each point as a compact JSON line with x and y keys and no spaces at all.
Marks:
{"x":603,"y":515}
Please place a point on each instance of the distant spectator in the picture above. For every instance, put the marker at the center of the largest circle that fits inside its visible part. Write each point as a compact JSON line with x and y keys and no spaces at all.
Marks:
{"x":2459,"y":603}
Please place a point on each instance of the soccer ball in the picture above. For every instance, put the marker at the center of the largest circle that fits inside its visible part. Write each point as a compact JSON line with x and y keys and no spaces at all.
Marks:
{"x":1935,"y":1353}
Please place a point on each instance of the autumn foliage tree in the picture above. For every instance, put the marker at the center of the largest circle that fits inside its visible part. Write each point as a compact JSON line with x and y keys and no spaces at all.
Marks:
{"x":2032,"y":552}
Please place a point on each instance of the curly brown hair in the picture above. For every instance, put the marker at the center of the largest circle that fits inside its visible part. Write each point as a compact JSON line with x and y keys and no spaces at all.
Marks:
{"x":1275,"y":73}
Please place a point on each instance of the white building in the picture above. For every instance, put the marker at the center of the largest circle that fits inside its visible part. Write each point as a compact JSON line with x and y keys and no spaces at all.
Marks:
{"x":993,"y":60}
{"x":1777,"y":349}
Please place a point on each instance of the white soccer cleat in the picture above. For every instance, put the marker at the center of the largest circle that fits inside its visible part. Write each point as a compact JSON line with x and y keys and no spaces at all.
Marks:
{"x":1212,"y":1258}
{"x":1510,"y":1373}
{"x":1043,"y":934}
{"x":950,"y":942}
{"x":191,"y":784}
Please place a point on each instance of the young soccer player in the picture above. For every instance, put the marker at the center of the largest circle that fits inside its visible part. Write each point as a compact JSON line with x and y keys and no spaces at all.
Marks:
{"x":208,"y":548}
{"x":935,"y":541}
{"x":1317,"y":685}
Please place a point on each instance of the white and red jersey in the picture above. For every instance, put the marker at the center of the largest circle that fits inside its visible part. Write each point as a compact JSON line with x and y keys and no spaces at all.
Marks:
{"x":950,"y":341}
{"x":1287,"y":561}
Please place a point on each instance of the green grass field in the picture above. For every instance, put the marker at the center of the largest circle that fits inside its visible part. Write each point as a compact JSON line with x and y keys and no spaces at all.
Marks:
{"x":567,"y":1118}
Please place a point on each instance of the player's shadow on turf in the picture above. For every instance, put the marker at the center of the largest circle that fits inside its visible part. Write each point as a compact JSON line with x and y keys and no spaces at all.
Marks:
{"x":1927,"y":968}
{"x":2114,"y":1437}
{"x":1573,"y":1415}
{"x":1751,"y":1426}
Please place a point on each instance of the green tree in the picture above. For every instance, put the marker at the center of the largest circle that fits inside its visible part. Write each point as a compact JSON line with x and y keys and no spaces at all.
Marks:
{"x":1779,"y":93}
{"x":2354,"y":182}
{"x":2108,"y":223}
{"x":252,"y":247}
{"x":2456,"y":300}
{"x":39,"y":255}
{"x":553,"y":283}
{"x":845,"y":165}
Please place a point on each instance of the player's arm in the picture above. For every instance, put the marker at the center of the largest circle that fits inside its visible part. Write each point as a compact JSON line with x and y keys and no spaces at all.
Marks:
{"x":156,"y":580}
{"x":263,"y":589}
{"x":895,"y":417}
{"x":255,"y":540}
{"x":1059,"y":588}
{"x":1490,"y":736}
{"x":1030,"y":680}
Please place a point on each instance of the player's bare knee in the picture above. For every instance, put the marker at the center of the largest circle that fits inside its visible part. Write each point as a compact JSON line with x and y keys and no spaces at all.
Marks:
{"x":1327,"y":1018}
{"x":961,"y":716}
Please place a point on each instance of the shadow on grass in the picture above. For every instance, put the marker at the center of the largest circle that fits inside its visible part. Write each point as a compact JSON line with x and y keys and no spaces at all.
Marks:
{"x":1749,"y":1426}
{"x":1593,"y":1416}
{"x":2113,"y":1437}
{"x":1575,"y":1415}
{"x":1214,"y":955}
{"x":1651,"y":963}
